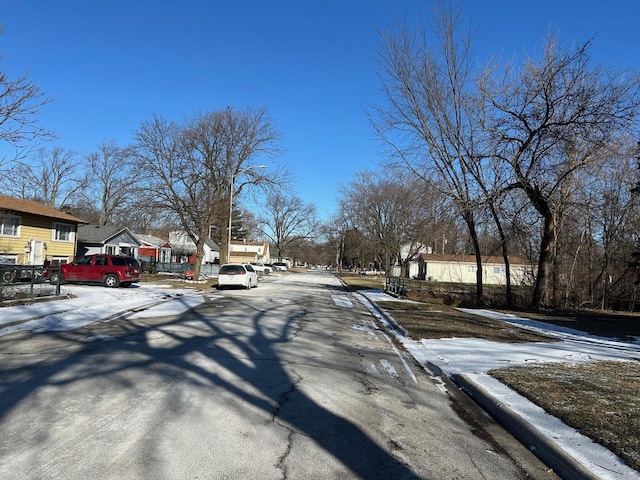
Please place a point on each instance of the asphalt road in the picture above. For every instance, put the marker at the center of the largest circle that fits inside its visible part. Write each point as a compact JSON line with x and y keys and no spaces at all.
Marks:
{"x":292,"y":380}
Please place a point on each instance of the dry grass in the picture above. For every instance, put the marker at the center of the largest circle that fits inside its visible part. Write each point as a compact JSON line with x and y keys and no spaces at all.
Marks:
{"x":599,"y":399}
{"x":423,"y":320}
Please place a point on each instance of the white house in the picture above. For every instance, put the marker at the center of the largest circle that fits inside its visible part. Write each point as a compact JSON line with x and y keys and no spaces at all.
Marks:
{"x":248,"y":251}
{"x":107,"y":239}
{"x":410,"y":255}
{"x":463,"y":268}
{"x":183,"y":250}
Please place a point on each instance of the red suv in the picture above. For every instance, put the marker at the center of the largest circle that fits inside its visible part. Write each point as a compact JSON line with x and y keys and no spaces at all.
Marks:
{"x":110,"y":270}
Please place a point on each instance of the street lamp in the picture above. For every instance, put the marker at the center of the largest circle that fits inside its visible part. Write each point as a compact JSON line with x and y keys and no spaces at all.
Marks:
{"x":231,"y":188}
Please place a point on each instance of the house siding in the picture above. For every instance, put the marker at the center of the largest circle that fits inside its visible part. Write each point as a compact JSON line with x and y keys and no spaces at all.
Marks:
{"x":255,"y":251}
{"x":462,"y":269}
{"x":38,"y":228}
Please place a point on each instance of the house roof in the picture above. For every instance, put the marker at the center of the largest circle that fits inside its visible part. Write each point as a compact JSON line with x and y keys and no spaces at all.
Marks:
{"x":212,"y":245}
{"x":486,"y":260}
{"x":151,"y":240}
{"x":100,"y":233}
{"x":19,"y":205}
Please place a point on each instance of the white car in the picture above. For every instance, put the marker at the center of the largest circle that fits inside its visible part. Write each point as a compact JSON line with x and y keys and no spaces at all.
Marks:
{"x":237,"y":275}
{"x":260,"y":267}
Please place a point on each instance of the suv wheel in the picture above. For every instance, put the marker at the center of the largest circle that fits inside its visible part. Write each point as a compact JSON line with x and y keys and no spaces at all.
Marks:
{"x":56,"y":277}
{"x":111,"y":281}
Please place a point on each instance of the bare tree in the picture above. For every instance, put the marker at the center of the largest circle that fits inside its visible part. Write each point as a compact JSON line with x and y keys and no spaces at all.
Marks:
{"x":20,"y":104}
{"x":53,"y":177}
{"x":189,"y":169}
{"x":110,"y":181}
{"x":551,"y":118}
{"x":387,"y":210}
{"x":432,"y":116}
{"x":289,"y":222}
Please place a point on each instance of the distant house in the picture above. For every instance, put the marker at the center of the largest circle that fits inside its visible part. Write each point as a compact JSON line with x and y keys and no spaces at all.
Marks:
{"x":183,"y":249}
{"x":153,"y":249}
{"x":107,"y":239}
{"x":410,"y":254}
{"x":463,"y":268}
{"x":33,"y":234}
{"x":247,"y":251}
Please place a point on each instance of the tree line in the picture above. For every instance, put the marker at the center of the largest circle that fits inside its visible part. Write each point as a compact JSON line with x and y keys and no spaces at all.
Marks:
{"x":533,"y":157}
{"x":536,"y":158}
{"x":172,"y":176}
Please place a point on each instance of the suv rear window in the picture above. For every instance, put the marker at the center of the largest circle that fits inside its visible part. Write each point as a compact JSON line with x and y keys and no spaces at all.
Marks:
{"x":118,"y":261}
{"x":231,"y":270}
{"x":132,"y":262}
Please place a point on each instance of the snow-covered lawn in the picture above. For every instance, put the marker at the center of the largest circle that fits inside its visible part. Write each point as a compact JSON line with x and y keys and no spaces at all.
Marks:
{"x":92,"y":303}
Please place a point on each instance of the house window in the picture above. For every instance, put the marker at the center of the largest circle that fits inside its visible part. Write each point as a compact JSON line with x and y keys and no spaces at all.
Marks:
{"x":9,"y":226}
{"x":499,"y":270}
{"x":62,"y":232}
{"x":110,"y":249}
{"x":472,"y":268}
{"x":59,"y":260}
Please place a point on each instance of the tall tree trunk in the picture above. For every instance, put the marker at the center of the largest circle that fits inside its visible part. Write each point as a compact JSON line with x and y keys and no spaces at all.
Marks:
{"x":197,"y":264}
{"x":471,"y":225}
{"x":545,"y":263}
{"x":505,"y":253}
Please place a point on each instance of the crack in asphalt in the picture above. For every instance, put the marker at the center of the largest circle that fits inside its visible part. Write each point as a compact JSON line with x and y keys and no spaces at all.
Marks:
{"x":284,"y":398}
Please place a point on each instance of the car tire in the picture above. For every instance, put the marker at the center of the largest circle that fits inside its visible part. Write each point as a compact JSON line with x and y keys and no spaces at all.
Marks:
{"x":56,"y":277}
{"x":111,"y":281}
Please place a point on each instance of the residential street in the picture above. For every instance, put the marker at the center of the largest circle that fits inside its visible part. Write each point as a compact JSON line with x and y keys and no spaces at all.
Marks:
{"x":290,"y":380}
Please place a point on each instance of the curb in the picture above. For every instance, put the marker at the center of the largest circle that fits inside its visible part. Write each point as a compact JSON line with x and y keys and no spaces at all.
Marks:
{"x":545,"y":449}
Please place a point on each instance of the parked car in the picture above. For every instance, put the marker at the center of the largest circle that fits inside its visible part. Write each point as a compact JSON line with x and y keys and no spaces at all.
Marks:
{"x":237,"y":275}
{"x":110,"y":270}
{"x":260,"y":267}
{"x":280,"y":266}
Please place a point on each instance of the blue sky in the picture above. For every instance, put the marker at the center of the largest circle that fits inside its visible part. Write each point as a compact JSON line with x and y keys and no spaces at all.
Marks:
{"x":108,"y":65}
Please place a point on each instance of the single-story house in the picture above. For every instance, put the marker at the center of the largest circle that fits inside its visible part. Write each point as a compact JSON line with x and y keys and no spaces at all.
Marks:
{"x":34,"y":234}
{"x":153,"y":249}
{"x":463,"y":268}
{"x":107,"y":239}
{"x":248,"y":251}
{"x":183,"y":249}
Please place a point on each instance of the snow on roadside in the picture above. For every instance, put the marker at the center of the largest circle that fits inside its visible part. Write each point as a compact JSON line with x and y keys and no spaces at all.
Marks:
{"x":95,"y":303}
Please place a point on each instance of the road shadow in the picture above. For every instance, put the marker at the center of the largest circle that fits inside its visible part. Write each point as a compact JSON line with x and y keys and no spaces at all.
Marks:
{"x":205,"y":332}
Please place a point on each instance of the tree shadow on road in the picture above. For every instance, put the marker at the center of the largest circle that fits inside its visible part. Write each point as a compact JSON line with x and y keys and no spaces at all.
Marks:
{"x":207,"y":347}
